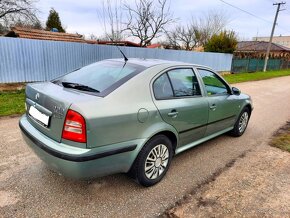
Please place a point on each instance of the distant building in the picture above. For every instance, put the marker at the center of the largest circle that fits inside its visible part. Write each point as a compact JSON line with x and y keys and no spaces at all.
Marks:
{"x":27,"y":33}
{"x":281,"y":40}
{"x":249,"y":56}
{"x":157,"y":45}
{"x":257,"y":49}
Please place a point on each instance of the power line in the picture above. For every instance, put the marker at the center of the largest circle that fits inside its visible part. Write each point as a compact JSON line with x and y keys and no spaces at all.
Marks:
{"x":287,"y":11}
{"x":249,"y":13}
{"x":253,"y":15}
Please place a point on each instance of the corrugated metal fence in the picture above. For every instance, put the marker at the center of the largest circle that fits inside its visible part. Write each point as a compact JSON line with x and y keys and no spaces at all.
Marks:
{"x":26,"y":60}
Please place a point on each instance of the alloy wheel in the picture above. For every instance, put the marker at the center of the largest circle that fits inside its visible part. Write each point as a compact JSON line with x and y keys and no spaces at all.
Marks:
{"x":243,"y":122}
{"x":156,"y":161}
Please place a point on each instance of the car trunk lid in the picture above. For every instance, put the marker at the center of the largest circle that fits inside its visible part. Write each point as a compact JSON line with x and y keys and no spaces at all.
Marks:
{"x":47,"y":104}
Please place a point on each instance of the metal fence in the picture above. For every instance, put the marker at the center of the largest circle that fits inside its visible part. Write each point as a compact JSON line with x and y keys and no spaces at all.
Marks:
{"x":26,"y":60}
{"x":254,"y":64}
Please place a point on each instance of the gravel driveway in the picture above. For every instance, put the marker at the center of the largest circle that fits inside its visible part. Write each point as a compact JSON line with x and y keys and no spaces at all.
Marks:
{"x":28,"y":188}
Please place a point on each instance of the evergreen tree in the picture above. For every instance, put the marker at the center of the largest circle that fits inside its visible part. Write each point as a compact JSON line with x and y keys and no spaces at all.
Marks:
{"x":53,"y":21}
{"x":224,"y":42}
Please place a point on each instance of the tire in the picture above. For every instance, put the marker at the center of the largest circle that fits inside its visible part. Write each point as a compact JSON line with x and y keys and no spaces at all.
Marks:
{"x":241,"y":123}
{"x":155,"y":156}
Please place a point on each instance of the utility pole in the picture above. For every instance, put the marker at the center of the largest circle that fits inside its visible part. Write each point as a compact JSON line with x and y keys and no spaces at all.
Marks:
{"x":272,"y":33}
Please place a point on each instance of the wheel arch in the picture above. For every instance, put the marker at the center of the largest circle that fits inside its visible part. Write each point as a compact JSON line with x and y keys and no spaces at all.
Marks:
{"x":249,"y":107}
{"x":170,"y":134}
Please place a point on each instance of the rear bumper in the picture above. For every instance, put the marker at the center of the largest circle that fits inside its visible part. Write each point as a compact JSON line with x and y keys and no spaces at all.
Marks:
{"x":80,"y":163}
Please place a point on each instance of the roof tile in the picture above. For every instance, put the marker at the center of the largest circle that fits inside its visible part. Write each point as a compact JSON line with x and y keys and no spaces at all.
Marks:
{"x":22,"y":32}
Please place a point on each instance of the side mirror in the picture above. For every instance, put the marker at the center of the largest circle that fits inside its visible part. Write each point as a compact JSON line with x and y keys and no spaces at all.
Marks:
{"x":236,"y":91}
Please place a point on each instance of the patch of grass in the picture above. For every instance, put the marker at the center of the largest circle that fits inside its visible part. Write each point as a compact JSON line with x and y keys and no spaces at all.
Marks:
{"x":245,"y":77}
{"x":281,"y":138}
{"x":12,"y":102}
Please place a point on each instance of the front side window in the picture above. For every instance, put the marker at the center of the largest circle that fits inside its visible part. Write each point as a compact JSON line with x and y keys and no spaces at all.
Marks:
{"x":213,"y":84}
{"x":184,"y":82}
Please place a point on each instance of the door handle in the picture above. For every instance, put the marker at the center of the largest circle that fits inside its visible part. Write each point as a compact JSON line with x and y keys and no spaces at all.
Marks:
{"x":212,"y":107}
{"x":173,"y":113}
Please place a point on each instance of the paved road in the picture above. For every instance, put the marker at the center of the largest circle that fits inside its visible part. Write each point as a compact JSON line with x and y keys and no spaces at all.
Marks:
{"x":28,"y":188}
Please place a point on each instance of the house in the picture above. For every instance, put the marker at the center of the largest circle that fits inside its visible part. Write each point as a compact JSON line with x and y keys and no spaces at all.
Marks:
{"x":280,"y":40}
{"x":156,"y":45}
{"x":28,"y":33}
{"x":258,"y":49}
{"x":22,"y":32}
{"x":250,"y":56}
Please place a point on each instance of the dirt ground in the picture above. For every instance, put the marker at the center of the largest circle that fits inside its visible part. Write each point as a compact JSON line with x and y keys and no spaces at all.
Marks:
{"x":11,"y":86}
{"x":257,"y":184}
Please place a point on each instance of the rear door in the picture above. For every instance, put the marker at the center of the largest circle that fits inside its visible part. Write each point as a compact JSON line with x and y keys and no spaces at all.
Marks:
{"x":179,"y":99}
{"x":222,"y":104}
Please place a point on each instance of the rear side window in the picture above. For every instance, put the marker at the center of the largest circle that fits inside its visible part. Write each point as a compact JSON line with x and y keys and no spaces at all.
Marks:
{"x":184,"y":82}
{"x":213,"y":84}
{"x":162,"y":88}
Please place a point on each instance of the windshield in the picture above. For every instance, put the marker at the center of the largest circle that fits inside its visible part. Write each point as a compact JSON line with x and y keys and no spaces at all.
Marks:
{"x":103,"y":76}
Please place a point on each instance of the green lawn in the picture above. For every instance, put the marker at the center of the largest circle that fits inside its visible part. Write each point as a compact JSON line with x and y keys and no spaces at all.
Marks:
{"x":244,"y":77}
{"x":12,"y":102}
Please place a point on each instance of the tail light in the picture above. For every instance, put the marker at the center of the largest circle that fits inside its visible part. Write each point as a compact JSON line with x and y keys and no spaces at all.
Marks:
{"x":74,"y":128}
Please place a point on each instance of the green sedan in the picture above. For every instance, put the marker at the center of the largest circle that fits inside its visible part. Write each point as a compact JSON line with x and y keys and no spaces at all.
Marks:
{"x":131,"y":116}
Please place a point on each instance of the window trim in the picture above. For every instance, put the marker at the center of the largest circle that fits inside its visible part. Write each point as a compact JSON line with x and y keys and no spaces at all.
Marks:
{"x":228,"y":87}
{"x":177,"y":97}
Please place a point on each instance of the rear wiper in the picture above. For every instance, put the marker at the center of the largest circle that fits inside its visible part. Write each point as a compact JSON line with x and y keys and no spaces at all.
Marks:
{"x":79,"y":87}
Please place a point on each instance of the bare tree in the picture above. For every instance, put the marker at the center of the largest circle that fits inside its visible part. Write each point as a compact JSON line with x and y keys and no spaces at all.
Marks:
{"x":172,"y":40}
{"x":213,"y":22}
{"x":12,"y":11}
{"x":3,"y":29}
{"x":197,"y":32}
{"x":183,"y":37}
{"x":35,"y":24}
{"x":93,"y":37}
{"x":147,"y":19}
{"x":111,"y":17}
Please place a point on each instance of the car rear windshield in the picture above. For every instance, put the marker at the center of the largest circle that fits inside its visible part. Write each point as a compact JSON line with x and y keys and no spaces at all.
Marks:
{"x":103,"y":76}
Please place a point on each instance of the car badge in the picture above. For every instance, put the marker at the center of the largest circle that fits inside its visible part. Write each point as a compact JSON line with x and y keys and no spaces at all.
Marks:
{"x":58,"y":112}
{"x":37,"y":96}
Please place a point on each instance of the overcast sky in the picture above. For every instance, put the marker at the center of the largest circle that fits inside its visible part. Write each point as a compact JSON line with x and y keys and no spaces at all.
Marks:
{"x":81,"y":15}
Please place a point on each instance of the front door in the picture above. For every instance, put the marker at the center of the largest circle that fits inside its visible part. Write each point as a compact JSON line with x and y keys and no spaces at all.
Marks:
{"x":221,"y":102}
{"x":180,"y":102}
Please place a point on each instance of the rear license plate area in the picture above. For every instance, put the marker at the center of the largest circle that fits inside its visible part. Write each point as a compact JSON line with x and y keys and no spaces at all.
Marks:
{"x":38,"y":116}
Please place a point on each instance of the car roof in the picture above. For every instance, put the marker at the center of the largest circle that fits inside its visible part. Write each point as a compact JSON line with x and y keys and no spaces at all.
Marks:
{"x":153,"y":62}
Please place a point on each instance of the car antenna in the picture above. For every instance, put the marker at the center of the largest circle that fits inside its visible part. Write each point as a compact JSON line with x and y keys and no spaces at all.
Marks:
{"x":125,"y":58}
